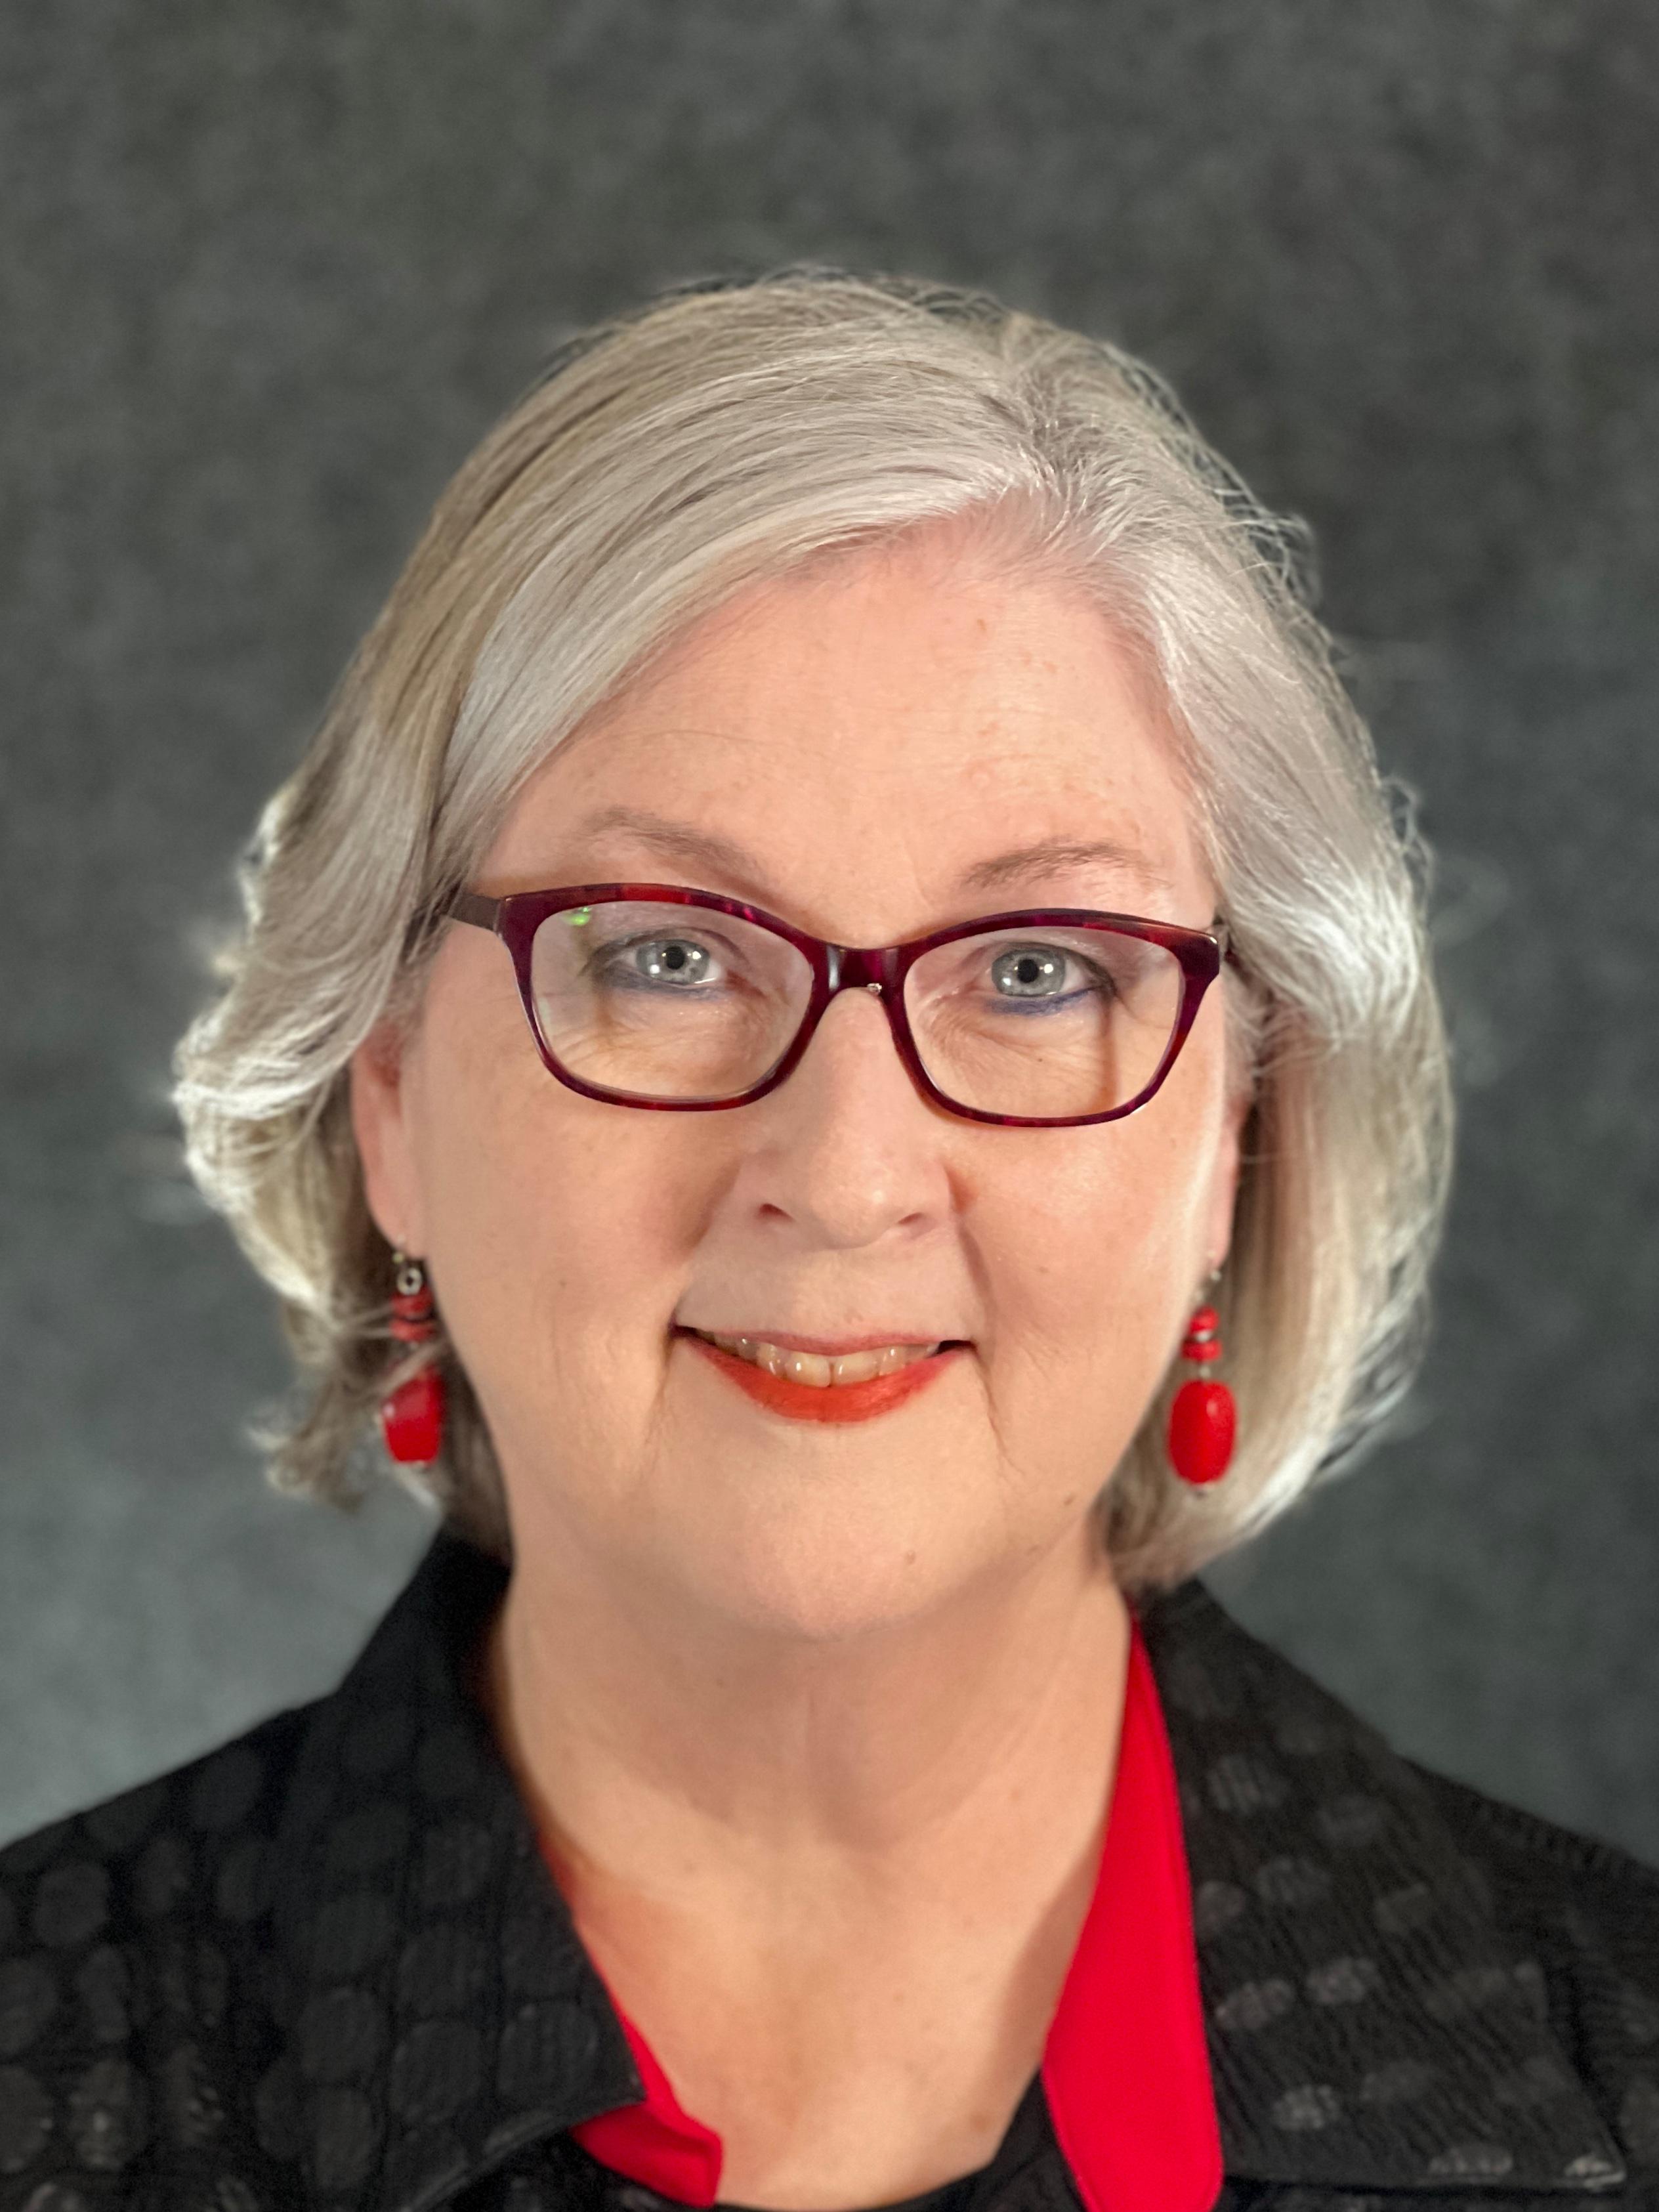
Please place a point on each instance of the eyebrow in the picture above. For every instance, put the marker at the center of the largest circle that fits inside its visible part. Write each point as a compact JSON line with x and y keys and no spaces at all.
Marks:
{"x":709,"y":848}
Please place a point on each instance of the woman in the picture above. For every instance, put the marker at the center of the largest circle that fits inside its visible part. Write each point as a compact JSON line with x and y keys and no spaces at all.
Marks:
{"x":803,"y":1773}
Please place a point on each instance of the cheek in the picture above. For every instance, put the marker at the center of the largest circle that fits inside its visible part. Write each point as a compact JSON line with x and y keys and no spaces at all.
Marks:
{"x":557,"y":1234}
{"x":1097,"y":1247}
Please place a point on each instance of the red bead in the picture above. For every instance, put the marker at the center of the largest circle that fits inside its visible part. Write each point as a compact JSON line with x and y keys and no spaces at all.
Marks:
{"x":1203,"y":1323}
{"x":412,"y":1418}
{"x":1203,"y":1422}
{"x":412,"y":1319}
{"x":1209,"y":1348}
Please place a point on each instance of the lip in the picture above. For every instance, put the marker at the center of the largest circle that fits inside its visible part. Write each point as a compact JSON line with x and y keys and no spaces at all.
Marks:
{"x":845,"y":1402}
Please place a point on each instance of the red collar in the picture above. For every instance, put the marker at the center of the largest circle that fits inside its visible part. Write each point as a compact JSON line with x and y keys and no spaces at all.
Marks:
{"x":1126,"y":2070}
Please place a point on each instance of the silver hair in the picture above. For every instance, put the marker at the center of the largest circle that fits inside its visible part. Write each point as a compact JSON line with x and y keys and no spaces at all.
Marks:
{"x":721,"y":434}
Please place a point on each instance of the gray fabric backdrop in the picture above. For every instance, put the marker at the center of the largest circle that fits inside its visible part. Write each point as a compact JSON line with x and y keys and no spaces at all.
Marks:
{"x":269,"y":271}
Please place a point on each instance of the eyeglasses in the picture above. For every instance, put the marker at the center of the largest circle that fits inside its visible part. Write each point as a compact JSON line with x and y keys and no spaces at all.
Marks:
{"x":679,"y":1000}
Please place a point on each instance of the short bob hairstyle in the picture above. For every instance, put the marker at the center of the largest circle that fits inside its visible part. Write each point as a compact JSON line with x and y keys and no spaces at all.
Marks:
{"x":724,"y":433}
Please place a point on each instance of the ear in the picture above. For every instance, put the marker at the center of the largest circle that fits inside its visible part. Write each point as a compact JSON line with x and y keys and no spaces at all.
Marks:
{"x":1223,"y":1182}
{"x":381,"y":1124}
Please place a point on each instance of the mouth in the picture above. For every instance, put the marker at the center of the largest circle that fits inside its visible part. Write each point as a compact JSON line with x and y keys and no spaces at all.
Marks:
{"x":805,"y":1384}
{"x":791,"y":1359}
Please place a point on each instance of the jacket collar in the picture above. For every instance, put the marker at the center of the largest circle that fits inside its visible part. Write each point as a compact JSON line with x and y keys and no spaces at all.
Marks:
{"x":1371,"y":2025}
{"x":443,"y":2012}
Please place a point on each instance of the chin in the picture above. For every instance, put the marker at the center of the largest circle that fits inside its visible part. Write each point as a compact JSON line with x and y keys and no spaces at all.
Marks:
{"x":825,"y":1573}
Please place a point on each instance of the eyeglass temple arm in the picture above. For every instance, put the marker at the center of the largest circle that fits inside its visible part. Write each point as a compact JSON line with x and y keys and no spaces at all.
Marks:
{"x":474,"y":907}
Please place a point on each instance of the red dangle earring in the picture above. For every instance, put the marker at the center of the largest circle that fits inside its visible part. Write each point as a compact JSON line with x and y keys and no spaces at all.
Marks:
{"x":412,"y":1415}
{"x":1203,"y":1419}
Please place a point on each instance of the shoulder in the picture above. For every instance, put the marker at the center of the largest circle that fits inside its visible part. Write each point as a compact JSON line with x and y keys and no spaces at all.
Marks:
{"x":184,"y":2015}
{"x":131,"y":1862}
{"x":1213,"y":1670}
{"x":1538,"y":1865}
{"x":1589,"y":1913}
{"x":135,"y":2010}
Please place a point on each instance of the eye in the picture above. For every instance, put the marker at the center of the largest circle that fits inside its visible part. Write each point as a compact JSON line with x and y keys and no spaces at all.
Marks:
{"x":675,"y":961}
{"x":1029,"y":969}
{"x":1041,"y":971}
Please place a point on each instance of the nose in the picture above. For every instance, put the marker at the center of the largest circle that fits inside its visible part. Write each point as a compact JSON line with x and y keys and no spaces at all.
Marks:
{"x":844,"y":1153}
{"x":848,"y":1016}
{"x":856,"y":976}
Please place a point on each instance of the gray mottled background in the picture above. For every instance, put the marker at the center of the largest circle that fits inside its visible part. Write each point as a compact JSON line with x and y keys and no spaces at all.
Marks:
{"x":268,"y":272}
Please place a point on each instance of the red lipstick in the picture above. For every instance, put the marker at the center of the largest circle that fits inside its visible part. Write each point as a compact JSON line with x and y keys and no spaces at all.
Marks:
{"x":845,"y":1401}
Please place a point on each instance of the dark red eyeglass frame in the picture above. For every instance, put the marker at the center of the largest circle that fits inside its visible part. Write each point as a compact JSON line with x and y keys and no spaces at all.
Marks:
{"x":881,"y":968}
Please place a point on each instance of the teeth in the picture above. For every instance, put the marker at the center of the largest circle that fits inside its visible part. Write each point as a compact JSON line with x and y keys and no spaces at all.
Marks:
{"x":813,"y":1369}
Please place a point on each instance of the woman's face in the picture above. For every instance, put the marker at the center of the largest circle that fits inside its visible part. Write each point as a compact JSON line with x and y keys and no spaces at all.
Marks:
{"x":867,"y":732}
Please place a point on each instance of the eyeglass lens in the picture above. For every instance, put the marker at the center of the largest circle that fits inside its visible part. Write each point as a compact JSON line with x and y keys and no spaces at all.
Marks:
{"x":659,"y":1000}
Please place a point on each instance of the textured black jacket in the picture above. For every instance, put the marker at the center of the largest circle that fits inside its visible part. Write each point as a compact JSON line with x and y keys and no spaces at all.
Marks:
{"x":324,"y":1969}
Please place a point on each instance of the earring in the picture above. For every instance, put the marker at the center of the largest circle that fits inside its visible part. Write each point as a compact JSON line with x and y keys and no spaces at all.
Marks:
{"x":1203,"y":1420}
{"x":412,"y":1415}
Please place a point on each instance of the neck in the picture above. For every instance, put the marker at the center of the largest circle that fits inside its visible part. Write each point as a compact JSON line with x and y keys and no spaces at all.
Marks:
{"x":837,"y":1882}
{"x":647,"y":1739}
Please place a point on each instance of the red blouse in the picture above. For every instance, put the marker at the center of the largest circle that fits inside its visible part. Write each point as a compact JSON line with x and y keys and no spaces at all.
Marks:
{"x":1125,"y":2071}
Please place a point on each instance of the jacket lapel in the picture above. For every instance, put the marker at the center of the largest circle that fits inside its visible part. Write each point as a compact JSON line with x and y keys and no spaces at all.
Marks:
{"x":1370,"y":2024}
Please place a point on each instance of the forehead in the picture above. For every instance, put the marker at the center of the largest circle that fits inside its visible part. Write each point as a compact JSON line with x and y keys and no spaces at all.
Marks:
{"x":895,"y":715}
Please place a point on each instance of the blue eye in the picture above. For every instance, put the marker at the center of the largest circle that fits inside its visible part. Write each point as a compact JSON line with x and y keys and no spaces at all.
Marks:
{"x":1034,"y":975}
{"x":678,"y":959}
{"x":639,"y":962}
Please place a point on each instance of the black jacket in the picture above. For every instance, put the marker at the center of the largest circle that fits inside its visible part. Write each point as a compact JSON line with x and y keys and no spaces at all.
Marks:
{"x":324,"y":1970}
